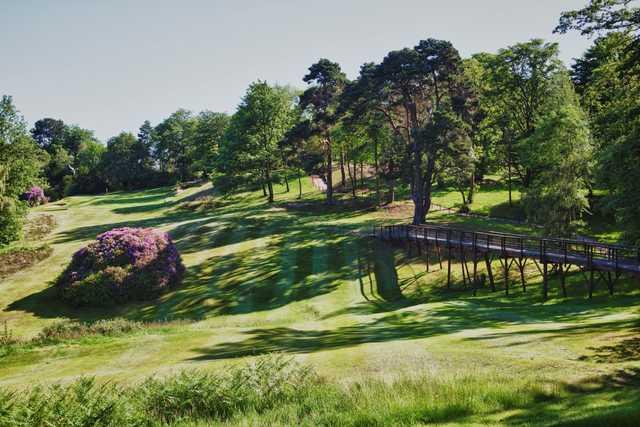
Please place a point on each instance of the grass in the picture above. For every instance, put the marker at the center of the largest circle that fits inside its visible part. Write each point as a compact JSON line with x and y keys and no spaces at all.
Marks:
{"x":388,"y":340}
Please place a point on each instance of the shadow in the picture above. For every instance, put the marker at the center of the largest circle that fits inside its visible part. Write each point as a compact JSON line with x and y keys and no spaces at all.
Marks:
{"x":626,"y":350}
{"x":258,"y":257}
{"x":621,"y":391}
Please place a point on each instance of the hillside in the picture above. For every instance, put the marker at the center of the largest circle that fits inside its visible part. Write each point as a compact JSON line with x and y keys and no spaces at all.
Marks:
{"x":298,"y":279}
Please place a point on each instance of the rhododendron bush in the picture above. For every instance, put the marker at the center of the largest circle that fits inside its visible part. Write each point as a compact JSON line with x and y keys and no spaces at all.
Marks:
{"x":123,"y":264}
{"x":35,"y":196}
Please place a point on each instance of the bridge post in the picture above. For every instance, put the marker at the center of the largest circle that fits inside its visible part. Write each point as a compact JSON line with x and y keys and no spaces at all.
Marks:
{"x":487,"y":260}
{"x":545,"y":281}
{"x":426,"y":251}
{"x":448,"y":259}
{"x":591,"y":272}
{"x":562,"y":270}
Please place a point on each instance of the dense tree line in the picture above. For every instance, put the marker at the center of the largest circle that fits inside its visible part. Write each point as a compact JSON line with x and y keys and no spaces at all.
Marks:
{"x":419,"y":117}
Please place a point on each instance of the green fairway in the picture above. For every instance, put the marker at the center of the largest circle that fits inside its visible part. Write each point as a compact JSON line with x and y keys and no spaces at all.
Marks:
{"x":300,"y":279}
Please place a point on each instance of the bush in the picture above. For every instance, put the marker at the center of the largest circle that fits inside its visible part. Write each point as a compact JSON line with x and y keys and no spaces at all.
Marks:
{"x":12,"y":213}
{"x":124,"y":264}
{"x":34,"y":196}
{"x":70,"y":329}
{"x":187,"y":397}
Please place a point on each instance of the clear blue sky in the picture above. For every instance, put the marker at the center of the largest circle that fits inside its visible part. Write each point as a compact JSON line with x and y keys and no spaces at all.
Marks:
{"x":109,"y":65}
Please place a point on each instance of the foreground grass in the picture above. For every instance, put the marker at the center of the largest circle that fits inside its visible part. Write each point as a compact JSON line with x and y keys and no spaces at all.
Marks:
{"x":299,"y":279}
{"x":273,"y":390}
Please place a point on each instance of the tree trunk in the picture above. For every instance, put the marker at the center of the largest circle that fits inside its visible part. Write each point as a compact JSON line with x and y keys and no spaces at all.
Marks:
{"x":472,"y":185}
{"x":417,"y":184}
{"x":392,"y":191}
{"x":267,"y":175}
{"x":343,"y":179}
{"x":329,"y":172}
{"x":509,"y":179}
{"x":352,"y":178}
{"x":428,"y":184}
{"x":299,"y":185}
{"x":264,"y":189}
{"x":286,"y":181}
{"x":377,"y":171}
{"x":361,"y":174}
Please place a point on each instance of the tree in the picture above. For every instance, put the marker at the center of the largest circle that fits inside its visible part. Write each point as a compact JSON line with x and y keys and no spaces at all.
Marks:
{"x":48,"y":133}
{"x":560,"y":151}
{"x":320,"y":102}
{"x":486,"y":129}
{"x":120,"y":163}
{"x":89,"y":177}
{"x":422,"y":94}
{"x":608,"y":81}
{"x":522,"y":79}
{"x":21,"y":163}
{"x":209,"y":133}
{"x":174,"y":144}
{"x":264,"y":116}
{"x":607,"y":16}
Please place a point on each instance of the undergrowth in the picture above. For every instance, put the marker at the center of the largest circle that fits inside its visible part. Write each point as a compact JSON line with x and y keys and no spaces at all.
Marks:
{"x":69,"y":330}
{"x":16,"y":259}
{"x":275,"y":390}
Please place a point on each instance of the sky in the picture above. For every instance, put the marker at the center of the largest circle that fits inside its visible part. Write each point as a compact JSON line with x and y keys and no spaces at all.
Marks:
{"x":110,"y":65}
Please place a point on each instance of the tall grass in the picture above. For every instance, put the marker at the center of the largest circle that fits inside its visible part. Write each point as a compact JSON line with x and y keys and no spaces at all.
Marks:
{"x":274,"y":390}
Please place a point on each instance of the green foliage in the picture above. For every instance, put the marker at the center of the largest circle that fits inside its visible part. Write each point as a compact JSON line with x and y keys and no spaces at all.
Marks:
{"x":12,"y":213}
{"x":121,"y":164}
{"x":90,"y":176}
{"x":559,"y":153}
{"x":251,"y":149}
{"x":174,"y":144}
{"x":189,"y":396}
{"x":121,"y":265}
{"x":320,"y":102}
{"x":70,"y":330}
{"x":423,"y":95}
{"x":607,"y":80}
{"x":20,"y":168}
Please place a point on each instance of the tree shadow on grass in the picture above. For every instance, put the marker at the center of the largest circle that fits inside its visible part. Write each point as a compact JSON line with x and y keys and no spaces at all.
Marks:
{"x":259,"y":262}
{"x":621,"y":389}
{"x":449,"y":318}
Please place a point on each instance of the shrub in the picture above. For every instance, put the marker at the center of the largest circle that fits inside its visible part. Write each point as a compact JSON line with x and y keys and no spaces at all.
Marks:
{"x":257,"y":386}
{"x":70,"y":329}
{"x":193,"y":398}
{"x":12,"y":213}
{"x":123,"y":264}
{"x":35,"y":196}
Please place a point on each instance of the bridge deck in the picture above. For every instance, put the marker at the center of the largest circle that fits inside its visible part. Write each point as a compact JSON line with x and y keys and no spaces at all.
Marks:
{"x":588,"y":254}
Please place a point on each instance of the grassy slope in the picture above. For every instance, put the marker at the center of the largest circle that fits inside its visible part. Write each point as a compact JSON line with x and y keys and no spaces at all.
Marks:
{"x":288,"y":278}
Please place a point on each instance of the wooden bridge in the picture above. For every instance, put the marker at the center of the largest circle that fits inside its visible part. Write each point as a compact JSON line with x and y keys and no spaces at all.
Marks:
{"x":599,"y":262}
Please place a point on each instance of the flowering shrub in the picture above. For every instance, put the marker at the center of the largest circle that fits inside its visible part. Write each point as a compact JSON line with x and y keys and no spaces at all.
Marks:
{"x":123,"y":264}
{"x":35,"y":196}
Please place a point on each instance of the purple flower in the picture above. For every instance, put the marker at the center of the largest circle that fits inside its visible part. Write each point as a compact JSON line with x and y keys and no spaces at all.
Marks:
{"x":34,"y":196}
{"x":145,"y":259}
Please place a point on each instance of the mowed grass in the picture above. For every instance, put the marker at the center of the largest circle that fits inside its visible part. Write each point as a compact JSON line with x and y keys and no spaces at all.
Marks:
{"x":299,"y":279}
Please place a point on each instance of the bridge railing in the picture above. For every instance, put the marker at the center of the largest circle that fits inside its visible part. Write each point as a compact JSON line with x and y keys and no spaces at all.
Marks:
{"x":552,"y":249}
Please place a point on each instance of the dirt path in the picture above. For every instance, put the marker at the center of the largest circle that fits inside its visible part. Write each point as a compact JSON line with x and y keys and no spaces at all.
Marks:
{"x":318,"y":183}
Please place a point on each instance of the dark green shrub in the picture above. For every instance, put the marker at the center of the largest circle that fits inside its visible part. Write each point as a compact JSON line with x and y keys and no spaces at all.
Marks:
{"x":12,"y":214}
